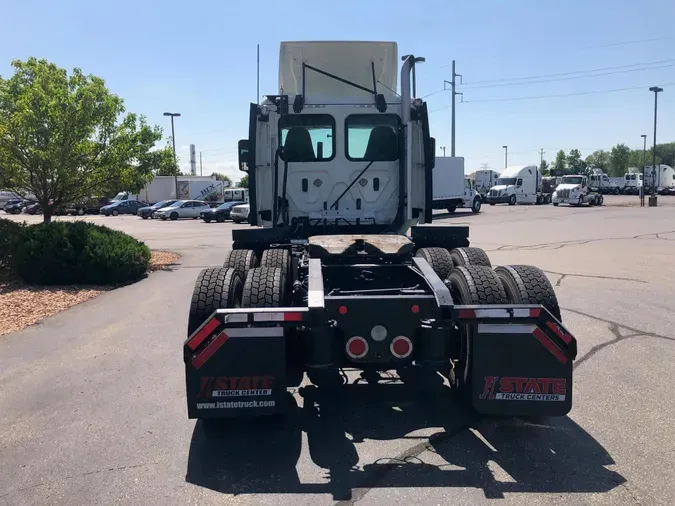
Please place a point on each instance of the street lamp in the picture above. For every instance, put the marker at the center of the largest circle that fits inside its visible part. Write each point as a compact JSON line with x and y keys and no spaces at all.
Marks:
{"x":173,"y":139}
{"x":644,"y":162}
{"x":443,"y":148}
{"x":506,"y":156}
{"x":656,"y":91}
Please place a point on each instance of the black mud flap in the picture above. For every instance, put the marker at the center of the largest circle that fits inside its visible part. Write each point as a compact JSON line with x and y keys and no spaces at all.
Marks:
{"x":235,"y":371}
{"x":522,"y":367}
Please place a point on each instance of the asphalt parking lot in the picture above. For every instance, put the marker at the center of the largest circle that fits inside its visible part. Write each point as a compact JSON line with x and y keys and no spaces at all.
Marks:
{"x":92,"y":407}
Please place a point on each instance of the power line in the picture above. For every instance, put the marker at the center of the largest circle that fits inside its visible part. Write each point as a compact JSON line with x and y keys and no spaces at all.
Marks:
{"x":508,"y":79}
{"x":513,"y":99}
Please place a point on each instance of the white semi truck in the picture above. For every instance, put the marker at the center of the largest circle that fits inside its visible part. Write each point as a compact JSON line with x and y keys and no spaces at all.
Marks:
{"x":521,"y":184}
{"x":660,"y":178}
{"x":632,"y":184}
{"x":575,"y":191}
{"x":484,"y":180}
{"x":452,"y":189}
{"x":599,"y":181}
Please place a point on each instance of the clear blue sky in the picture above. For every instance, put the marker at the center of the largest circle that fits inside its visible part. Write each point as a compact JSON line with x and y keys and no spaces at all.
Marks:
{"x":199,"y":59}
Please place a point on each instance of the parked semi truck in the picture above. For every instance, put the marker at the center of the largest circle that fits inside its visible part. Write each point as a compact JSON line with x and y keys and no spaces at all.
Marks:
{"x":660,"y":178}
{"x":452,"y":189}
{"x":575,"y":191}
{"x":520,"y":184}
{"x":340,"y":280}
{"x":484,"y":180}
{"x":632,"y":182}
{"x":600,"y":182}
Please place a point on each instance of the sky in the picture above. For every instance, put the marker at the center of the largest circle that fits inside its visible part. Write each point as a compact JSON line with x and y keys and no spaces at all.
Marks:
{"x":200,"y":60}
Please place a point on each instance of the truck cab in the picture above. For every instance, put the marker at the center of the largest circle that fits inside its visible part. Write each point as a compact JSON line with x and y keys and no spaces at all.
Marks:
{"x":575,"y":190}
{"x":632,"y":183}
{"x":519,"y":184}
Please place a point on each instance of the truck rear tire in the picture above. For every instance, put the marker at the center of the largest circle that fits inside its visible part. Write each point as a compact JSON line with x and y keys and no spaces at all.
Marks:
{"x":241,"y":260}
{"x":525,"y":284}
{"x":470,"y":285}
{"x":279,"y":258}
{"x":264,"y":287}
{"x":439,"y":259}
{"x":451,"y":209}
{"x":469,"y":256}
{"x":215,"y":288}
{"x":512,"y":200}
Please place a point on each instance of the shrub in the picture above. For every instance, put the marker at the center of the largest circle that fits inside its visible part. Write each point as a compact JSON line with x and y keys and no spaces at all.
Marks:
{"x":9,"y":235}
{"x":64,"y":253}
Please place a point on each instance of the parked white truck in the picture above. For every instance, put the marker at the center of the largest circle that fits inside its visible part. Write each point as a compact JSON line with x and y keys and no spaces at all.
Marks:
{"x":452,"y":189}
{"x":575,"y":190}
{"x":521,"y":184}
{"x":205,"y":188}
{"x":599,"y":181}
{"x":632,"y":184}
{"x":484,"y":180}
{"x":661,"y":178}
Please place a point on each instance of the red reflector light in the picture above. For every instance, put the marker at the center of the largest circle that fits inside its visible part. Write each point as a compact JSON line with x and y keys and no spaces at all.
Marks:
{"x":415,"y":308}
{"x":534,"y":313}
{"x":292,"y":317}
{"x":401,"y":347}
{"x":343,"y":309}
{"x":357,"y":347}
{"x":467,"y":313}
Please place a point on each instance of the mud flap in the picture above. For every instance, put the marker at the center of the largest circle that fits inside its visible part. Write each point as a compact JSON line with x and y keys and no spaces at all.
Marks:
{"x":521,"y":361}
{"x":235,"y":371}
{"x":519,"y":370}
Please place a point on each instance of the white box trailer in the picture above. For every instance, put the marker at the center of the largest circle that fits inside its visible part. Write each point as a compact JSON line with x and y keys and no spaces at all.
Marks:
{"x":661,"y":178}
{"x":452,"y":189}
{"x":205,"y":188}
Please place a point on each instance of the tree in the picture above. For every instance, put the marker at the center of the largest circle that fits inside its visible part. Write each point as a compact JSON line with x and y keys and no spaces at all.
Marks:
{"x":243,"y":182}
{"x":65,"y":137}
{"x":574,"y":161}
{"x":560,"y":161}
{"x":162,"y":161}
{"x":638,"y":158}
{"x":599,"y":159}
{"x":619,"y":158}
{"x":543,"y":167}
{"x":224,"y":178}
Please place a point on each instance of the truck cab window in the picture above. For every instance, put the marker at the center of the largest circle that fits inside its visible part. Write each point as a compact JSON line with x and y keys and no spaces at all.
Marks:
{"x":519,"y":182}
{"x":307,"y":137}
{"x":372,"y":137}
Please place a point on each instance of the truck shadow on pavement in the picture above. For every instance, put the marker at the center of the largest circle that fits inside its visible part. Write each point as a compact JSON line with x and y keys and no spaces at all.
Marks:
{"x":458,"y":449}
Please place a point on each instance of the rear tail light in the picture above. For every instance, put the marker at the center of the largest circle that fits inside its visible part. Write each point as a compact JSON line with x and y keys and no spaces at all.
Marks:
{"x":357,"y":347}
{"x":401,"y":347}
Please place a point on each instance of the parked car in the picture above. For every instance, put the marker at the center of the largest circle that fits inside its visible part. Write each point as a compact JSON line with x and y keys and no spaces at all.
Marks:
{"x":33,"y":208}
{"x":220,"y":213}
{"x":149,"y":211}
{"x":182,"y":209}
{"x":15,"y":206}
{"x":88,"y":206}
{"x":122,"y":207}
{"x":239,"y":214}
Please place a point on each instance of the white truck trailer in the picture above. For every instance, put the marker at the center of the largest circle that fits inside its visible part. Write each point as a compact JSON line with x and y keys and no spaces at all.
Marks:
{"x":520,"y":184}
{"x":452,"y":189}
{"x":205,"y":188}
{"x":661,"y":178}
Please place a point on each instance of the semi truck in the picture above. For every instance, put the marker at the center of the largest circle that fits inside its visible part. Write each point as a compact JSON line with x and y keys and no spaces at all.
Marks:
{"x":205,"y":188}
{"x":452,"y":189}
{"x":521,"y":184}
{"x":576,"y":191}
{"x":632,"y":182}
{"x":660,"y":178}
{"x":484,"y":180}
{"x":341,"y":280}
{"x":600,"y":182}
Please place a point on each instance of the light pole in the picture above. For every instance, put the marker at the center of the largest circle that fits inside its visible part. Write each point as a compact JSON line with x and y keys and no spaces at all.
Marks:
{"x":443,"y":148}
{"x":644,"y":162}
{"x":506,"y":156}
{"x":656,"y":91}
{"x":173,"y":139}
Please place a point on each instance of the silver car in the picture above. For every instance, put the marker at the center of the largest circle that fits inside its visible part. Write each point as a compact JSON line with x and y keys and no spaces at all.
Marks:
{"x":239,"y":214}
{"x":182,"y":209}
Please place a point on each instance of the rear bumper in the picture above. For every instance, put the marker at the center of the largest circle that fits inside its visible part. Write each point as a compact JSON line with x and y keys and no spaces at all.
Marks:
{"x":521,"y":364}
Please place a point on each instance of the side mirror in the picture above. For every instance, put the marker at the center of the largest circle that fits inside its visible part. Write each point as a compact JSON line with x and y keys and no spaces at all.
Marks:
{"x":243,"y":146}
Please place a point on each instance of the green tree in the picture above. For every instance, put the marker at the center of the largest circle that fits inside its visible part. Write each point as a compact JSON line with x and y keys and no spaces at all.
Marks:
{"x":223,"y":177}
{"x":65,"y":137}
{"x":574,"y":161}
{"x":162,"y":161}
{"x":665,"y":153}
{"x":638,"y":158}
{"x":543,"y":167}
{"x":243,"y":182}
{"x":560,"y":161}
{"x":619,"y":158}
{"x":599,"y":159}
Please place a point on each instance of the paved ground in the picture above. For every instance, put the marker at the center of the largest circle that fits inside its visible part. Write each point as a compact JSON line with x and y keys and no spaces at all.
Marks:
{"x":92,"y":406}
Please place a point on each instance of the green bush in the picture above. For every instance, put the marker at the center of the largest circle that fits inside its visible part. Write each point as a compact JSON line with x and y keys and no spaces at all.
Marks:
{"x":64,"y":253}
{"x":9,"y":235}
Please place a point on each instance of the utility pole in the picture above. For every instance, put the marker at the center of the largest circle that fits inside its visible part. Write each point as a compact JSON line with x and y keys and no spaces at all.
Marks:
{"x":443,"y":148}
{"x":656,"y":91}
{"x":541,"y":157}
{"x":506,"y":156}
{"x":644,"y":162}
{"x":173,"y":138}
{"x":453,"y":84}
{"x":200,"y":164}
